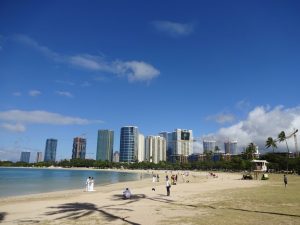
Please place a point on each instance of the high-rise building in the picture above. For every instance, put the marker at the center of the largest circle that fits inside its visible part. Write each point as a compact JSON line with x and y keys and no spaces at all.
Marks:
{"x":25,"y":157}
{"x":116,"y":157}
{"x":141,"y":148}
{"x":79,"y":148}
{"x":155,"y":149}
{"x":169,"y":142}
{"x":39,"y":157}
{"x":105,"y":144}
{"x":231,"y":147}
{"x":129,"y":144}
{"x":50,"y":150}
{"x":179,"y":144}
{"x":209,"y":146}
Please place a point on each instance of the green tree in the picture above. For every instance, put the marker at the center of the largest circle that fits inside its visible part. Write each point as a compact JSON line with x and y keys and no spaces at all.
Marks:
{"x":271,"y":143}
{"x":281,"y":138}
{"x":217,"y":149}
{"x":249,"y":151}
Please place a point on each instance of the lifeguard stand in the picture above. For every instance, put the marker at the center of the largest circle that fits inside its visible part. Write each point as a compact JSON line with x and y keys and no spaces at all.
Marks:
{"x":260,"y":166}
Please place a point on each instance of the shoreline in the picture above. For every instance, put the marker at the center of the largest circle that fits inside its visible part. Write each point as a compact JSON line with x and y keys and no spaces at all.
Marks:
{"x":70,"y":192}
{"x":145,"y":204}
{"x":73,"y":190}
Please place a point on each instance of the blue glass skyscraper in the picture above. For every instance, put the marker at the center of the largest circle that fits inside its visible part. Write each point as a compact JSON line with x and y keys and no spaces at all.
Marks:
{"x":129,"y":144}
{"x":25,"y":157}
{"x":50,"y":150}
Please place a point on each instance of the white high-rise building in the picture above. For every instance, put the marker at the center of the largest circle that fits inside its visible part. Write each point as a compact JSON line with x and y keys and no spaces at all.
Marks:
{"x":39,"y":157}
{"x":155,"y":149}
{"x":183,"y":142}
{"x":141,"y":148}
{"x":231,"y":147}
{"x":209,"y":146}
{"x":179,"y":143}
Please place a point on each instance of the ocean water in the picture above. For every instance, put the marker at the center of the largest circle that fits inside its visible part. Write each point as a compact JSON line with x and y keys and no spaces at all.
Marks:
{"x":23,"y":181}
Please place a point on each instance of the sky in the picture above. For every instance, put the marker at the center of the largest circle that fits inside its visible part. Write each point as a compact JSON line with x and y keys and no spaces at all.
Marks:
{"x":228,"y":70}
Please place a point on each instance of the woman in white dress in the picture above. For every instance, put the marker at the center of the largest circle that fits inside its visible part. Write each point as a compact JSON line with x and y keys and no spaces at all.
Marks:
{"x":91,"y":184}
{"x":87,"y":184}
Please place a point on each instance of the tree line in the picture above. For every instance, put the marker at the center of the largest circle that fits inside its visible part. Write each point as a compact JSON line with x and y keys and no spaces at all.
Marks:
{"x":277,"y":163}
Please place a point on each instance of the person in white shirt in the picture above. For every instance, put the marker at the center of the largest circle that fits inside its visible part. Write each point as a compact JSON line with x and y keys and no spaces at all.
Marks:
{"x":127,"y":193}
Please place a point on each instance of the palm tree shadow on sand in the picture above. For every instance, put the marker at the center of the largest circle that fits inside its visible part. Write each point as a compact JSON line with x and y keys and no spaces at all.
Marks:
{"x":2,"y":216}
{"x":78,"y":210}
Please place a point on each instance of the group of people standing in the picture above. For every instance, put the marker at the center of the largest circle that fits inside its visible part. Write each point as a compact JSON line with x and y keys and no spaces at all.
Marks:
{"x":89,"y":185}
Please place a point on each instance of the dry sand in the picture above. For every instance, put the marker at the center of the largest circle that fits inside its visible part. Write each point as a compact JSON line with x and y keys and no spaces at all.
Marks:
{"x":106,"y":206}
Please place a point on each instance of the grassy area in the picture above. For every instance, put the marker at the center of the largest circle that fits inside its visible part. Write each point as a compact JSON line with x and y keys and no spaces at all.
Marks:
{"x":271,"y":203}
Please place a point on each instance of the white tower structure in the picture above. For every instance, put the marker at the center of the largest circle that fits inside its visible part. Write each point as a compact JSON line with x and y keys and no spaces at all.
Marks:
{"x":155,"y":147}
{"x":141,"y":148}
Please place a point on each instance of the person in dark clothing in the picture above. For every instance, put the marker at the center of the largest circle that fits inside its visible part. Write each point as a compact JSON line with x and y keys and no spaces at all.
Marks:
{"x":285,"y":180}
{"x":168,"y":186}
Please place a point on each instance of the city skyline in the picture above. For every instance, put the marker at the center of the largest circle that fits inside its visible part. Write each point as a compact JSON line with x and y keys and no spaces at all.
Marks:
{"x":224,"y":69}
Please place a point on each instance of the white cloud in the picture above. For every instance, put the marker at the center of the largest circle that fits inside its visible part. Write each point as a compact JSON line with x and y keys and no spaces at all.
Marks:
{"x":21,"y":118}
{"x":34,"y":93}
{"x":17,"y":94}
{"x":9,"y":154}
{"x":13,"y":127}
{"x":261,"y":123}
{"x":137,"y":71}
{"x":173,"y":29}
{"x":243,"y":105}
{"x":134,"y":70}
{"x":86,"y":84}
{"x":222,"y":118}
{"x":70,"y":83}
{"x":24,"y":39}
{"x":64,"y":93}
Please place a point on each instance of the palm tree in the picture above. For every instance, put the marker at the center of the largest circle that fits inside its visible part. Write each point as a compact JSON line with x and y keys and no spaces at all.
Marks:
{"x":281,"y":138}
{"x":250,"y":151}
{"x":217,"y":149}
{"x":271,"y":143}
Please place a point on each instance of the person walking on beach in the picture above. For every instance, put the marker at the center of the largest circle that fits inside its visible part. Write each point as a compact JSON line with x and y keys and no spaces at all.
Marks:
{"x":153,"y":181}
{"x":285,"y":180}
{"x":168,"y":186}
{"x":87,"y":184}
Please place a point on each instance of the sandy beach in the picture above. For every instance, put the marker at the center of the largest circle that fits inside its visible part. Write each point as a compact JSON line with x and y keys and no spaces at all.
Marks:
{"x":106,"y":205}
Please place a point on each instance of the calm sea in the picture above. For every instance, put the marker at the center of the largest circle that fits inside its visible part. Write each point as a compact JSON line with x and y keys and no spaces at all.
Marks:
{"x":22,"y":181}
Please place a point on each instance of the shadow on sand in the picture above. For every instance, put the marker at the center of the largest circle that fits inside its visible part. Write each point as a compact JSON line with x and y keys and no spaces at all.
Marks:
{"x":2,"y":216}
{"x":78,"y":210}
{"x":272,"y":213}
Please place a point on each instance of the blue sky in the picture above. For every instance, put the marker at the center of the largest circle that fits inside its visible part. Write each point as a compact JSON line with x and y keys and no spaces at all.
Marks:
{"x":225,"y":69}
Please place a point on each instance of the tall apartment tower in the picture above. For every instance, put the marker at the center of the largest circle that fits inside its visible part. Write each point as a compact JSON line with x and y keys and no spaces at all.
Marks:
{"x":141,"y":148}
{"x":129,"y":144}
{"x":79,"y":148}
{"x":209,"y":145}
{"x":155,"y":149}
{"x":231,"y":147}
{"x":179,"y":144}
{"x":25,"y":157}
{"x":169,"y":143}
{"x":50,"y":150}
{"x":39,"y":157}
{"x":105,"y":144}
